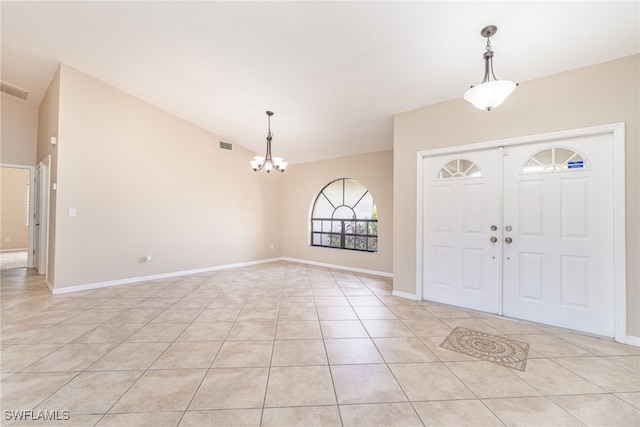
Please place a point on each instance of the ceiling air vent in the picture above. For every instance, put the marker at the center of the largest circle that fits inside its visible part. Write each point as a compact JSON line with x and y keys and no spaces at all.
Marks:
{"x":13,"y":90}
{"x":226,"y":145}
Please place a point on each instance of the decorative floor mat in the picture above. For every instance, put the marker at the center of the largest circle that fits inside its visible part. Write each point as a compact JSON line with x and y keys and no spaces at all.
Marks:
{"x":500,"y":350}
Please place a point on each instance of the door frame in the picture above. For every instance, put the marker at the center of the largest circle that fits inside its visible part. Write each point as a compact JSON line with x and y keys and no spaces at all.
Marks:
{"x":617,"y":131}
{"x":32,"y":194}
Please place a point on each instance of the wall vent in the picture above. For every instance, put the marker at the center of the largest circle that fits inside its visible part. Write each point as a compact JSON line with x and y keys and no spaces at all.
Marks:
{"x":12,"y":90}
{"x":226,"y":145}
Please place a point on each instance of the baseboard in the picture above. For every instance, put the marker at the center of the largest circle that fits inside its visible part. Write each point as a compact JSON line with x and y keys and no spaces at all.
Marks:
{"x":14,"y":250}
{"x":634,"y":341}
{"x":405,"y":295}
{"x":109,"y":283}
{"x":339,"y":267}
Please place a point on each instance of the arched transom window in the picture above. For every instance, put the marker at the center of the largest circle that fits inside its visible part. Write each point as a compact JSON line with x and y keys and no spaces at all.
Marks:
{"x":555,"y":159}
{"x":460,"y":168}
{"x":344,"y":216}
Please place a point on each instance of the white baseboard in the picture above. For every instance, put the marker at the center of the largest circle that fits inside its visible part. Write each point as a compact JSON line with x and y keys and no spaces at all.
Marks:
{"x":98,"y":285}
{"x":405,"y":295}
{"x":339,"y":267}
{"x":634,"y":341}
{"x":14,"y":250}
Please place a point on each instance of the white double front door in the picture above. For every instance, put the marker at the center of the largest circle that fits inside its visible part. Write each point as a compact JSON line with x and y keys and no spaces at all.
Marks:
{"x":525,"y":231}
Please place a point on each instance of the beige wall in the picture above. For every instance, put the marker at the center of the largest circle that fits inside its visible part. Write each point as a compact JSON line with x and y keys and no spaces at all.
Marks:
{"x":14,"y":232}
{"x":303,"y":182}
{"x":601,"y":94}
{"x":18,"y":131}
{"x":144,"y":182}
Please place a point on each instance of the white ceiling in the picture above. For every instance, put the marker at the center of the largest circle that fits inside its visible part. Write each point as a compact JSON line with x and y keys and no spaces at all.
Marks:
{"x":334,"y":73}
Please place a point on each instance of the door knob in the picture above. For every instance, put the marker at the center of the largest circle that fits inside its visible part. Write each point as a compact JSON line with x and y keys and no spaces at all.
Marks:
{"x":508,"y":240}
{"x":494,"y":239}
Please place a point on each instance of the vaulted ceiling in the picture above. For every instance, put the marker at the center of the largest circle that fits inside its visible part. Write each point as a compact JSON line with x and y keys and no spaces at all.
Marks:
{"x":334,"y":73}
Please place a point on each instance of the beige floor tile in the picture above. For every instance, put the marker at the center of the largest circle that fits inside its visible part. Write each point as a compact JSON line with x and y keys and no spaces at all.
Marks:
{"x":429,"y":381}
{"x":60,"y":419}
{"x":332,"y":290}
{"x":298,"y":301}
{"x":366,"y":384}
{"x":71,"y":357}
{"x":161,"y":390}
{"x":599,"y":346}
{"x":174,"y":315}
{"x":23,"y":391}
{"x":320,"y":416}
{"x":550,"y":378}
{"x":374,"y":313}
{"x":550,"y":346}
{"x":130,"y":356}
{"x":331,"y":301}
{"x":93,"y":316}
{"x":240,"y":354}
{"x":60,"y":334}
{"x":136,"y":315}
{"x":447,"y":312}
{"x":17,"y":357}
{"x":522,"y":411}
{"x":336,"y":313}
{"x":213,"y":331}
{"x":632,"y":363}
{"x":456,"y":413}
{"x":489,"y":380}
{"x":233,"y":417}
{"x":299,"y":353}
{"x":348,"y":351}
{"x":380,"y":414}
{"x":474,"y":324}
{"x":632,"y":399}
{"x":258,"y":314}
{"x":404,"y":350}
{"x":600,"y":410}
{"x":444,"y":354}
{"x":109,"y":333}
{"x":188,"y":354}
{"x":158,"y":332}
{"x":91,"y":392}
{"x":141,"y":419}
{"x":607,"y":375}
{"x":252,"y":331}
{"x":297,"y":313}
{"x":365,"y":301}
{"x":513,"y":327}
{"x":298,"y":329}
{"x":343,"y":329}
{"x":411,"y":312}
{"x":300,"y":386}
{"x":387,"y":328}
{"x":428,"y":327}
{"x":231,"y":388}
{"x":219,"y":313}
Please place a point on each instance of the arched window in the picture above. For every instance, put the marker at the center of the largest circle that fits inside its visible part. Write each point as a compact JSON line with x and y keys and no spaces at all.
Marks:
{"x":556,"y":159}
{"x":344,"y":216}
{"x":460,"y":168}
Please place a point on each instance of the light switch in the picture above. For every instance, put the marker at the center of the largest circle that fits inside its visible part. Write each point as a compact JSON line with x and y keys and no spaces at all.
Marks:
{"x":72,"y":212}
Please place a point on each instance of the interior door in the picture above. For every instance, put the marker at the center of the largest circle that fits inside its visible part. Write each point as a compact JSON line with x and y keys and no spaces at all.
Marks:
{"x":461,"y":264}
{"x":558,"y":234}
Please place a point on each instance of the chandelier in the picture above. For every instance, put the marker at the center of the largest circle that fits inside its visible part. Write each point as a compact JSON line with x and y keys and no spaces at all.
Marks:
{"x":490,"y":93}
{"x":267,"y":162}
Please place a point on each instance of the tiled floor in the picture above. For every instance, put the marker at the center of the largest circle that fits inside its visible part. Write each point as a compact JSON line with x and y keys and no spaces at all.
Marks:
{"x":290,"y":344}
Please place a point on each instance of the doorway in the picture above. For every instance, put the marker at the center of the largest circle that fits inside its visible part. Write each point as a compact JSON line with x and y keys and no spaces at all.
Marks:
{"x":529,"y":228}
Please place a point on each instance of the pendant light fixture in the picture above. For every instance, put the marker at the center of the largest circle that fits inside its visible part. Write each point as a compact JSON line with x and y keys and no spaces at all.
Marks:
{"x":267,"y":162}
{"x":491,"y":92}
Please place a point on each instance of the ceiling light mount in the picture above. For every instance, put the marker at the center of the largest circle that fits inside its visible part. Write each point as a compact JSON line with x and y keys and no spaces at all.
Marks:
{"x":491,"y":92}
{"x":267,"y":162}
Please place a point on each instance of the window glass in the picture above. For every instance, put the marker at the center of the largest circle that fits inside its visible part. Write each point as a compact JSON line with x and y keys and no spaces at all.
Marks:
{"x":553,"y":160}
{"x":344,"y":216}
{"x":460,"y":168}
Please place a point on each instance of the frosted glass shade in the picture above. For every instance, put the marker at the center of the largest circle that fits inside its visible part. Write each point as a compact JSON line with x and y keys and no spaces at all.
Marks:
{"x":489,"y":95}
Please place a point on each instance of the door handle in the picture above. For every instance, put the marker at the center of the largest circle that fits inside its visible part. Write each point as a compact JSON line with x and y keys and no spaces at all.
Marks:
{"x":508,"y":240}
{"x":494,"y":239}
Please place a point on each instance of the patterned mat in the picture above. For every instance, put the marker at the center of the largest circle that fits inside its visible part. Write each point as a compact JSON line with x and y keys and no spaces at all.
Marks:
{"x":500,"y":350}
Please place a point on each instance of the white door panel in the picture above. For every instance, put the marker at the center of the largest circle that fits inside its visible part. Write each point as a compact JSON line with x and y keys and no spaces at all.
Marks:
{"x":461,"y":263}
